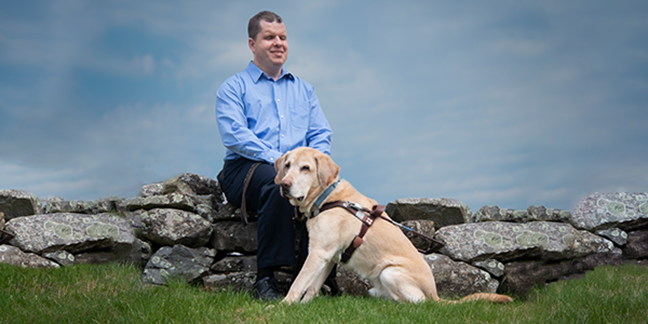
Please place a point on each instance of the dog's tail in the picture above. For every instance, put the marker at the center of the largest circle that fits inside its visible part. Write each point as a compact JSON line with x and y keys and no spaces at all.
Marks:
{"x":493,"y":298}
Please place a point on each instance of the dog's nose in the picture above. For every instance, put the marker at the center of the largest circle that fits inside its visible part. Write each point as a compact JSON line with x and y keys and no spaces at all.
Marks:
{"x":285,"y":183}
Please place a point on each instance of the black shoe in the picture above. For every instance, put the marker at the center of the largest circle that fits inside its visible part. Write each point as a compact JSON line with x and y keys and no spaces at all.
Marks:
{"x":266,"y":289}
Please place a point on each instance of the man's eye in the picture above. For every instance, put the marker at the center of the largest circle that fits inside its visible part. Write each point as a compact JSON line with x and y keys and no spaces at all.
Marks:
{"x":305,"y":168}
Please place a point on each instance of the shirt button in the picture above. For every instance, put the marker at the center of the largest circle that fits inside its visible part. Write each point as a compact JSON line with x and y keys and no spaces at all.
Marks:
{"x":278,"y":99}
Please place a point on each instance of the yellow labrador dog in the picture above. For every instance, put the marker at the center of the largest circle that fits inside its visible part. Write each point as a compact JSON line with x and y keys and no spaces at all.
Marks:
{"x":385,"y":256}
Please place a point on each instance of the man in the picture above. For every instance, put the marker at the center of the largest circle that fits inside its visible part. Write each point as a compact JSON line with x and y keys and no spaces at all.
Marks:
{"x":263,"y":112}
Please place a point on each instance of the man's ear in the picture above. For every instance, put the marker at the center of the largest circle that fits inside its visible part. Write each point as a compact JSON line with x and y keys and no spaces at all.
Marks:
{"x":279,"y":168}
{"x":327,"y":170}
{"x":251,"y":44}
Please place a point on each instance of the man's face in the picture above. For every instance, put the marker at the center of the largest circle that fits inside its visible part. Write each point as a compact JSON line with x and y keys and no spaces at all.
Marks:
{"x":270,"y":48}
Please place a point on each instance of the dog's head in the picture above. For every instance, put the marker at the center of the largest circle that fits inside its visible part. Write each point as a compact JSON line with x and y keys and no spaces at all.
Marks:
{"x":303,"y":174}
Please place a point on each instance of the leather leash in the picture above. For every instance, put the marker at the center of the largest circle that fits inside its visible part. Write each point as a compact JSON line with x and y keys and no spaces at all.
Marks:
{"x":246,"y":184}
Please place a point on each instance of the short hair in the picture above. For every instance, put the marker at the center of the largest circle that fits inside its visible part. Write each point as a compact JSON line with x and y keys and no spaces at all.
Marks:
{"x":254,"y":25}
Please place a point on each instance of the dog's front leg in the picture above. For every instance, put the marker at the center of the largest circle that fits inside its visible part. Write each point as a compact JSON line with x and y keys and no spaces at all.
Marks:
{"x":308,"y":278}
{"x":314,"y":289}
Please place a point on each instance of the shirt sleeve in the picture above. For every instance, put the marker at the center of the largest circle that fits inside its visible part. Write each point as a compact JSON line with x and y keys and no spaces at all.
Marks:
{"x":233,"y":126}
{"x":319,"y":131}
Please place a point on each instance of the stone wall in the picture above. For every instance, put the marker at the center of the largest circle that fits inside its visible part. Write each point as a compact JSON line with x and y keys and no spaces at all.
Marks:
{"x":183,"y":227}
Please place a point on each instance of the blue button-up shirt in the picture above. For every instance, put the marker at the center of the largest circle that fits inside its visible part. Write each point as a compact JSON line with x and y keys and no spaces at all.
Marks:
{"x":261,"y":119}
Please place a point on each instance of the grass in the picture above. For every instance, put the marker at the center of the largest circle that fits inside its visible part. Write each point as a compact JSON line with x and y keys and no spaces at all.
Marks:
{"x":114,"y":294}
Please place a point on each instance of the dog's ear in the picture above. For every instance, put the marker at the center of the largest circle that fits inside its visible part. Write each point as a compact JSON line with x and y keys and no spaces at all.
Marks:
{"x":327,"y":170}
{"x":279,"y":168}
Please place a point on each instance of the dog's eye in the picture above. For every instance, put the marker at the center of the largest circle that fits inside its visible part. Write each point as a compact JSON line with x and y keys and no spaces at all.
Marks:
{"x":287,"y":166}
{"x":305,"y":168}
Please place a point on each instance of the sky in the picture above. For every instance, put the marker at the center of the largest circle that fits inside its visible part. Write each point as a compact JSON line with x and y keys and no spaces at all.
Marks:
{"x":507,"y":103}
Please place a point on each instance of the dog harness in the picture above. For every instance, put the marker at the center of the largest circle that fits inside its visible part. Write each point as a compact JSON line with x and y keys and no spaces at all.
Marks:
{"x":366,"y":216}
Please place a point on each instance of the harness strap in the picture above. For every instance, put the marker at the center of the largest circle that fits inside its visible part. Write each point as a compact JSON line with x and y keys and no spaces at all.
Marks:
{"x":246,"y":184}
{"x":366,"y":216}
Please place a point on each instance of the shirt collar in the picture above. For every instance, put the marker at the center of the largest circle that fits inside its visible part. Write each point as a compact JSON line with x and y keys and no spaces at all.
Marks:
{"x":256,"y":73}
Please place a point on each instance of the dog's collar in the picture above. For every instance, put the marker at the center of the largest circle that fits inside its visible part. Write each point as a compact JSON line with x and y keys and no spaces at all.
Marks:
{"x":323,"y":196}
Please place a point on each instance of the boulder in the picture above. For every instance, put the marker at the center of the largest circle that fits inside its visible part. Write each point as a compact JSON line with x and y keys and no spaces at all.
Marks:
{"x":599,"y":211}
{"x":522,"y":276}
{"x":17,"y":203}
{"x":168,"y":227}
{"x":178,"y":262}
{"x":458,"y":279}
{"x":425,"y":227}
{"x":234,"y":236}
{"x":492,"y":266}
{"x":173,"y":200}
{"x":497,"y":214}
{"x":52,"y":206}
{"x":637,"y":245}
{"x":443,"y":211}
{"x":13,"y":255}
{"x":152,"y":189}
{"x":62,"y":257}
{"x":237,"y":281}
{"x":235,"y":264}
{"x":541,"y":213}
{"x":74,"y":233}
{"x":504,"y":241}
{"x":350,"y":283}
{"x":616,"y":235}
{"x":194,"y":184}
{"x":531,"y":214}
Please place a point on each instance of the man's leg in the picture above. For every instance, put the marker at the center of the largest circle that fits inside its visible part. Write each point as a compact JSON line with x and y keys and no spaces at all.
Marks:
{"x":275,"y":234}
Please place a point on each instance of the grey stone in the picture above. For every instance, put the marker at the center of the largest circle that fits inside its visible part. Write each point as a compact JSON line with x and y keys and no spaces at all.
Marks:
{"x":62,"y":257}
{"x":17,"y":203}
{"x":79,"y":207}
{"x":173,"y":200}
{"x":637,"y":245}
{"x":522,"y":276}
{"x":74,"y":233}
{"x":191,"y":183}
{"x":531,"y":214}
{"x":458,"y":279}
{"x":443,"y":211}
{"x":616,"y":235}
{"x":179,"y":262}
{"x":599,"y":211}
{"x":13,"y":255}
{"x":152,"y":189}
{"x":234,"y":236}
{"x":497,"y":214}
{"x":425,"y":227}
{"x":235,"y":264}
{"x":541,"y":213}
{"x":229,"y":212}
{"x":350,"y":283}
{"x":492,"y":266}
{"x":505,"y":241}
{"x":170,"y":227}
{"x":237,"y":281}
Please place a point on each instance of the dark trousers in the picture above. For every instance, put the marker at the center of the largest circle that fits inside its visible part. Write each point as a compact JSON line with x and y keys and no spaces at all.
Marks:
{"x":275,"y":236}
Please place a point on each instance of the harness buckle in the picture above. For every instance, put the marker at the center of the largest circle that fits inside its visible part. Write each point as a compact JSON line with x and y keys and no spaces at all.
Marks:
{"x":354,"y":205}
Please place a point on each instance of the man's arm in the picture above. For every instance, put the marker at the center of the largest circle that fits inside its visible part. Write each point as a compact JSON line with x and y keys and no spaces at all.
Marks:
{"x":319,"y":131}
{"x":233,"y":126}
